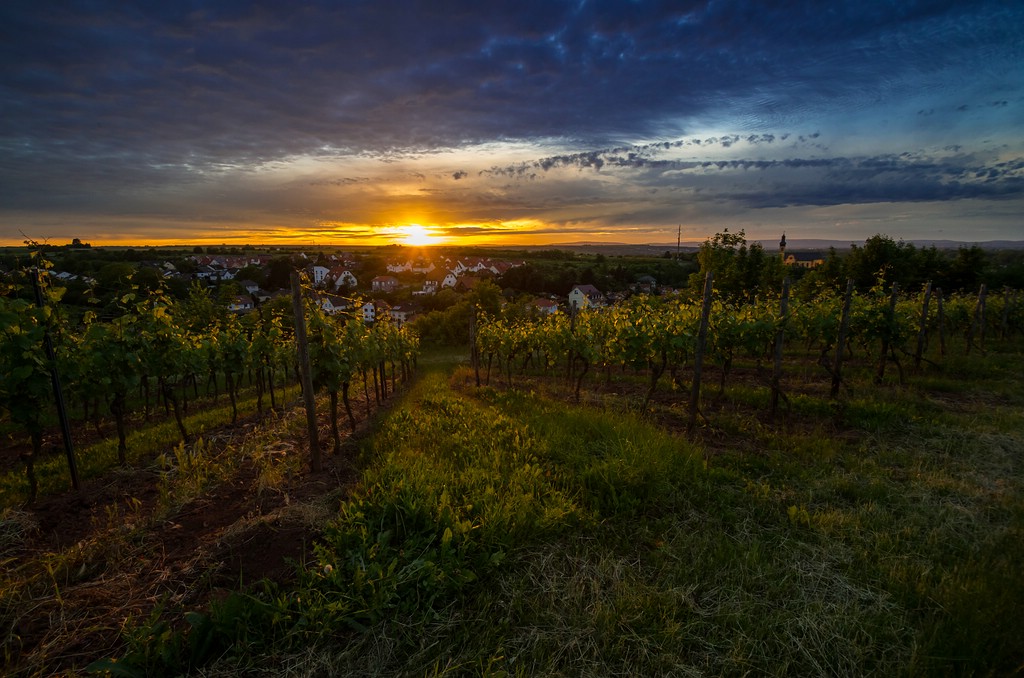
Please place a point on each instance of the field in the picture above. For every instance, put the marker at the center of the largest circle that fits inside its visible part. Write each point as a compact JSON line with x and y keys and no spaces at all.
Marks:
{"x":469,"y":531}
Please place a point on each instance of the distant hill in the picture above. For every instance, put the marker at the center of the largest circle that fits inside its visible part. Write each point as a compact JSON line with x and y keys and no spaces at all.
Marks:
{"x":792,"y":244}
{"x":820,"y":244}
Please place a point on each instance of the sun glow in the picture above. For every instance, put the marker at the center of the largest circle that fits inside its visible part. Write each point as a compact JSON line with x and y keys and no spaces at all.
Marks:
{"x":418,"y":236}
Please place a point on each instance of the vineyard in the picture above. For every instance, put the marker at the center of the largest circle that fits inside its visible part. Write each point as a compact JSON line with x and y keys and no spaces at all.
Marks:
{"x":157,"y":353}
{"x":667,"y":338}
{"x":668,"y":486}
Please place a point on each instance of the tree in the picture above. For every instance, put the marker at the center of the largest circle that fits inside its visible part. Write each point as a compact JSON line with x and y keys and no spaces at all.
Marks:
{"x":254,"y":273}
{"x":199,"y":311}
{"x":279,"y":271}
{"x":740,"y":270}
{"x":882,"y":258}
{"x":147,"y":279}
{"x":113,"y":278}
{"x":830,"y":275}
{"x":966,"y":271}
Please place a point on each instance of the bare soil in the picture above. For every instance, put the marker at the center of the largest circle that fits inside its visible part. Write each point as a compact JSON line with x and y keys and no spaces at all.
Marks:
{"x":102,"y":558}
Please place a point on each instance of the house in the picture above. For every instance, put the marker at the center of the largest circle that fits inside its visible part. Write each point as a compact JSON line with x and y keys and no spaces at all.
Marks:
{"x":450,"y":279}
{"x":240,"y":303}
{"x":206,"y":273}
{"x":645,"y":284}
{"x":545,"y":306}
{"x":384,"y":283}
{"x":585,"y":296}
{"x":214,"y":272}
{"x":403,"y":313}
{"x":249,"y":286}
{"x":501,"y":268}
{"x":481,"y":265}
{"x":467,"y":282}
{"x":423,"y":266}
{"x":431,"y":285}
{"x":342,"y":277}
{"x":399,"y":266}
{"x":369,"y":312}
{"x":319,"y":274}
{"x":332,"y":304}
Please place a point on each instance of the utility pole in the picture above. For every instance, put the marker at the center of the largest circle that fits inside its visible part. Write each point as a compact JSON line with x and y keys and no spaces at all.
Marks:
{"x":679,"y":240}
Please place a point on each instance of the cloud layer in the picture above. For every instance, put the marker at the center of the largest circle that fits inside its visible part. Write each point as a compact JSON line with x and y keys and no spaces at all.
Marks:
{"x":604,"y":117}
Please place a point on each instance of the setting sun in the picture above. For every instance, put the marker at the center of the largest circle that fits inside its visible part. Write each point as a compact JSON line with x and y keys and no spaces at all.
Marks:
{"x":418,"y":236}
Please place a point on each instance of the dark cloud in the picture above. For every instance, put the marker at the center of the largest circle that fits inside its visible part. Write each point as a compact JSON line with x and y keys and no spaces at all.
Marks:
{"x":904,"y":177}
{"x":137,"y":105}
{"x":249,"y":81}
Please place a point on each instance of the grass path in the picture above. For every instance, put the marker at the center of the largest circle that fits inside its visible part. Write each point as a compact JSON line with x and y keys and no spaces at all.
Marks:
{"x":508,"y":533}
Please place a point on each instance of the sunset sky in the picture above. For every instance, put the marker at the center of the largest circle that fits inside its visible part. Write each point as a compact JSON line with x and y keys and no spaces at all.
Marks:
{"x":525,"y":122}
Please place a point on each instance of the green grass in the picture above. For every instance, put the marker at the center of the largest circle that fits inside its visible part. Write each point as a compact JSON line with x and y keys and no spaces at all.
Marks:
{"x":98,"y":458}
{"x":508,"y":533}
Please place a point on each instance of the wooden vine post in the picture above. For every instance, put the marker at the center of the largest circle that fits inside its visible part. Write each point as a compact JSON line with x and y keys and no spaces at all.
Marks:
{"x":940,"y":313}
{"x":698,"y":355}
{"x":58,"y":392}
{"x":844,"y":324}
{"x":922,"y":332}
{"x":780,"y":336}
{"x":573,"y":312}
{"x":890,"y":313}
{"x":474,"y":350}
{"x":1008,"y":299}
{"x":305,"y":374}
{"x":978,"y":324}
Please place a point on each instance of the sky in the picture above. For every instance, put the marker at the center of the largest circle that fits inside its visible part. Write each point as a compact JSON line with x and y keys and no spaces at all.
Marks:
{"x":520,"y":122}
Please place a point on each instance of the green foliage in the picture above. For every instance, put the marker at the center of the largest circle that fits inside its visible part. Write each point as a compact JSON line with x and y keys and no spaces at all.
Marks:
{"x":521,"y":535}
{"x":25,"y":390}
{"x":740,"y":271}
{"x":881,"y":260}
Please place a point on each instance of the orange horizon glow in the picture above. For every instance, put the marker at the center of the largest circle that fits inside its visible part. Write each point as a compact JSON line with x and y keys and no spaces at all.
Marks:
{"x":525,"y":232}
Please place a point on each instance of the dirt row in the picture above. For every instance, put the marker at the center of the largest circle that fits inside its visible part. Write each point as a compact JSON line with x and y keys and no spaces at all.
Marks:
{"x":102,"y":558}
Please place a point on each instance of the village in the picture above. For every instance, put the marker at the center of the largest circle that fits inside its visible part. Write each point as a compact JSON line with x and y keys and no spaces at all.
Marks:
{"x":370,"y":282}
{"x":398,"y":293}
